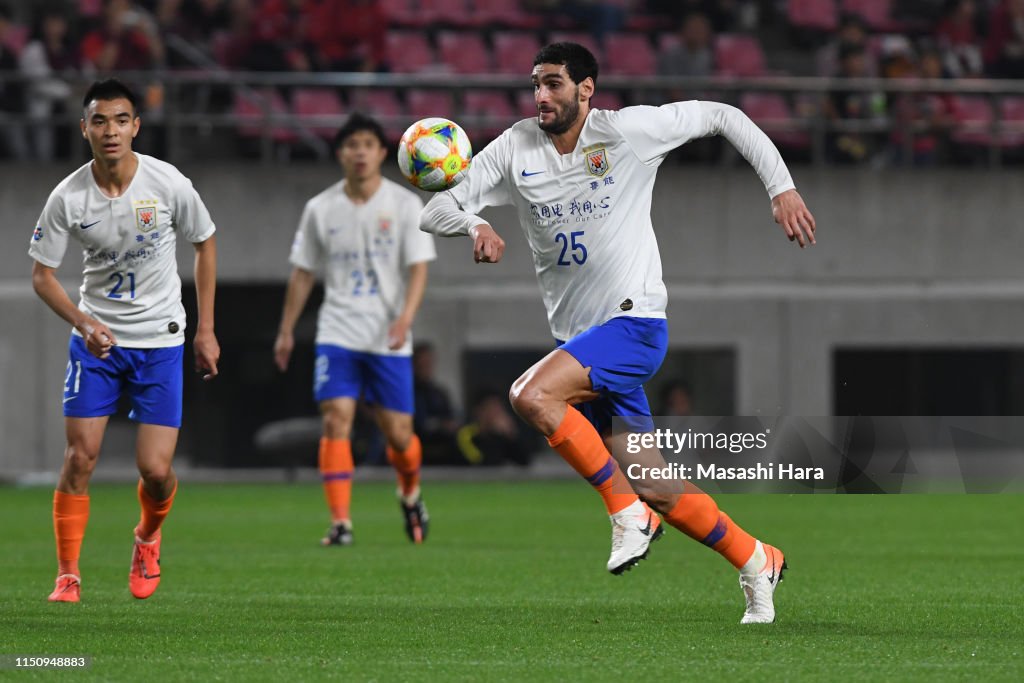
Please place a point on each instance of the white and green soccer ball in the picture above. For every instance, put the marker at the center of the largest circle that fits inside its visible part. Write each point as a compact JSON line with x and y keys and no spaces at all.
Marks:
{"x":434,"y":154}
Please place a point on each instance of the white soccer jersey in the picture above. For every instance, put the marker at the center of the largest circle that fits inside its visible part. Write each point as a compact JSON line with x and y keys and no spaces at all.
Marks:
{"x":363,"y":251}
{"x":130,"y":281}
{"x":587,"y":215}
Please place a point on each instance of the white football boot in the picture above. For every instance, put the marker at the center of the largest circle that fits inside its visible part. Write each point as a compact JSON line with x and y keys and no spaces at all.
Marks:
{"x":633,"y":530}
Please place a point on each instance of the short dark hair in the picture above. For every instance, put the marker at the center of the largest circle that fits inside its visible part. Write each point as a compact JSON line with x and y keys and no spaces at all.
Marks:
{"x":110,"y":89}
{"x":355,"y":123}
{"x":579,"y":62}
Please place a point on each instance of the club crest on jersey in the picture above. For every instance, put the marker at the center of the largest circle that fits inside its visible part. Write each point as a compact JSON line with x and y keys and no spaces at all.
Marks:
{"x":384,"y":223}
{"x":37,"y":234}
{"x":145,"y":218}
{"x":597,"y":162}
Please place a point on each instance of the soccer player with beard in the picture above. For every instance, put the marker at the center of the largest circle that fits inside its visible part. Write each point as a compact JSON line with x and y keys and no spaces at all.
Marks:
{"x":581,"y":181}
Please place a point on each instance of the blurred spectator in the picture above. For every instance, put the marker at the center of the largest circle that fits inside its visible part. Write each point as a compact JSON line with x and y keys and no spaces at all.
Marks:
{"x":493,"y":437}
{"x":48,"y":55}
{"x":958,"y":40}
{"x":724,"y":15}
{"x":600,"y":17}
{"x":128,"y":40}
{"x":197,"y":21}
{"x":1004,"y":50}
{"x":933,"y":114}
{"x":851,"y":31}
{"x":12,"y":94}
{"x":693,"y":56}
{"x":274,"y":37}
{"x":433,"y":419}
{"x":676,"y":399}
{"x":346,"y":35}
{"x":852,"y":105}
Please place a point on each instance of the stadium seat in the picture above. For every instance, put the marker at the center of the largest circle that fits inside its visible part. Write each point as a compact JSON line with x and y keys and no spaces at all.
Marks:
{"x":398,"y":12}
{"x":604,"y":99}
{"x":738,"y":55}
{"x":507,"y":13}
{"x":424,"y":103}
{"x":514,"y":51}
{"x":772,"y":112}
{"x":252,"y":109}
{"x":1012,"y":111}
{"x":876,"y":13}
{"x":16,"y":38}
{"x":384,"y":106}
{"x":492,"y":110}
{"x":444,"y":13}
{"x":974,"y":121}
{"x":313,"y":106}
{"x":813,"y":15}
{"x":630,"y":54}
{"x":585,"y":39}
{"x":464,"y":52}
{"x":409,"y":52}
{"x":526,"y":106}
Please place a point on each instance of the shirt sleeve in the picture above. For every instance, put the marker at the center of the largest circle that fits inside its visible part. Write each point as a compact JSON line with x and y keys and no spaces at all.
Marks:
{"x":50,"y":238}
{"x":454,"y":212}
{"x":307,"y":251}
{"x":191,"y":217}
{"x":652,"y":132}
{"x":417,"y":246}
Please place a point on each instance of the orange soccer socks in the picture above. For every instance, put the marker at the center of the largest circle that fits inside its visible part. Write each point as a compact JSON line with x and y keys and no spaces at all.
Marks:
{"x":153,"y":513}
{"x":581,"y":446}
{"x":70,"y":516}
{"x":407,"y":466}
{"x":336,"y":472}
{"x":697,"y":515}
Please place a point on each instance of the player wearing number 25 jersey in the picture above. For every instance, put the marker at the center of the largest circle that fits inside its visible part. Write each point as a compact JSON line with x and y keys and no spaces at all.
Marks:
{"x":581,"y":181}
{"x":126,"y":211}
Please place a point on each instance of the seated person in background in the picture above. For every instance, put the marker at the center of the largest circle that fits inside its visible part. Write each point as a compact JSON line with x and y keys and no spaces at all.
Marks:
{"x":493,"y":437}
{"x":676,"y":399}
{"x":433,"y":419}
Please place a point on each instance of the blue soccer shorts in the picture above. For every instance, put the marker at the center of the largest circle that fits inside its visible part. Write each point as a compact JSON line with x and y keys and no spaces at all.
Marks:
{"x":380,"y":379}
{"x":152,"y":379}
{"x":622,"y":354}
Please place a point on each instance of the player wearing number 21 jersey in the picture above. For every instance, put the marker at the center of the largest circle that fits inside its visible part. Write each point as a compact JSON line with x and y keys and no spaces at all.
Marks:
{"x":581,"y":181}
{"x":126,"y":211}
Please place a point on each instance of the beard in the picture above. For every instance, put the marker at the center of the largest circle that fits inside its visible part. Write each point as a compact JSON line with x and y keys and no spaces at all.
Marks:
{"x":564,"y":119}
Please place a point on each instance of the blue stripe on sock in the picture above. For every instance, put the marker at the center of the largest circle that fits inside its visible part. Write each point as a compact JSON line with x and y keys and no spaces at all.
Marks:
{"x":336,"y":476}
{"x":603,"y":474}
{"x":717,"y":533}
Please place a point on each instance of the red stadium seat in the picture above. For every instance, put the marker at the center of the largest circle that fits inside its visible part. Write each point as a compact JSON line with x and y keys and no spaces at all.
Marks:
{"x":384,"y":106}
{"x":464,"y":52}
{"x":813,"y":15}
{"x":424,"y":103}
{"x":630,"y":54}
{"x":444,"y":13}
{"x":739,"y":55}
{"x":771,"y":112}
{"x":587,"y":40}
{"x":514,"y":52}
{"x":252,"y":110}
{"x":409,"y":52}
{"x":974,"y":121}
{"x":526,"y":106}
{"x":397,"y":12}
{"x":318,"y":104}
{"x":603,"y":99}
{"x":507,"y":13}
{"x":876,"y":13}
{"x":16,"y":38}
{"x":494,"y":110}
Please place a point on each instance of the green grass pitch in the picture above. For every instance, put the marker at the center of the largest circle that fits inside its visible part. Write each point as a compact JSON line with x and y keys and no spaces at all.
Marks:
{"x":511,"y":586}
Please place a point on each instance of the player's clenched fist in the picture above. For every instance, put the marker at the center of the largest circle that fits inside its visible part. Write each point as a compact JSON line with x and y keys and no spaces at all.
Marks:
{"x":487,"y":245}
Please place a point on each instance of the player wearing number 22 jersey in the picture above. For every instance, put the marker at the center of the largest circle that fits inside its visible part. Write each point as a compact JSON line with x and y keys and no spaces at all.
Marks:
{"x":581,"y":181}
{"x":362,"y":234}
{"x":127,"y":212}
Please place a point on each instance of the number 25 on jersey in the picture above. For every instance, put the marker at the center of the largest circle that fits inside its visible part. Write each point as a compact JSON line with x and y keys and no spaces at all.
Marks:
{"x":572,"y":247}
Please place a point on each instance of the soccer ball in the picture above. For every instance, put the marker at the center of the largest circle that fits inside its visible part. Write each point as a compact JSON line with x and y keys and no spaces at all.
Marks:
{"x":434,"y":154}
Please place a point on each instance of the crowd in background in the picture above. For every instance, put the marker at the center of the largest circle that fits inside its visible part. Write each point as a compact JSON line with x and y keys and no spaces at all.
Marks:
{"x":49,"y":39}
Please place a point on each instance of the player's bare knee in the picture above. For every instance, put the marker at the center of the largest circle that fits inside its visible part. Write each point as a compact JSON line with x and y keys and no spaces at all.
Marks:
{"x":335,"y":426}
{"x":81,"y":458}
{"x":155,"y":474}
{"x":399,"y":437}
{"x":659,"y":499}
{"x":527,"y":399}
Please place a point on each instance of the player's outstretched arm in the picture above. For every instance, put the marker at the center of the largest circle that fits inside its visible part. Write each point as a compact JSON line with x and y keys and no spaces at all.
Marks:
{"x":98,"y":337}
{"x":788,"y":207}
{"x":207,"y":350}
{"x":443,"y":216}
{"x":300,"y":284}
